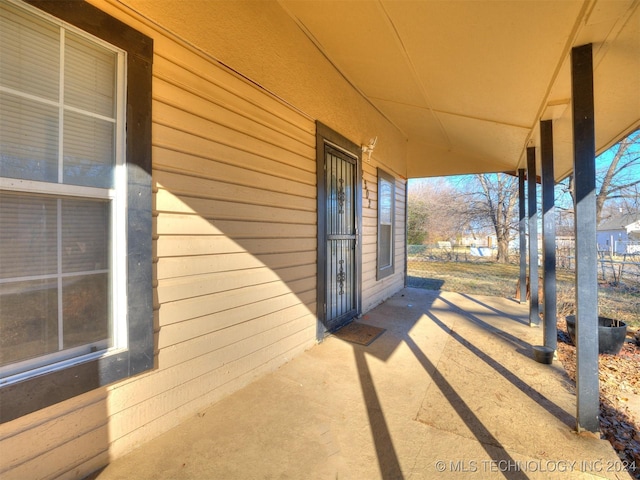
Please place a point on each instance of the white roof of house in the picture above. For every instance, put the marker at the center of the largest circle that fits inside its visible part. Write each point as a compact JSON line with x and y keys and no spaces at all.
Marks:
{"x":619,"y":223}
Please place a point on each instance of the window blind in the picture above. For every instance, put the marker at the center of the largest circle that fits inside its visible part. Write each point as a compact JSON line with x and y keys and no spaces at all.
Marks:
{"x":57,"y":125}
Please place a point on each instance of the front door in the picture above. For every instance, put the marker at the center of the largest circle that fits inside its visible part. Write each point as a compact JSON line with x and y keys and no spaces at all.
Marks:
{"x":341,"y":237}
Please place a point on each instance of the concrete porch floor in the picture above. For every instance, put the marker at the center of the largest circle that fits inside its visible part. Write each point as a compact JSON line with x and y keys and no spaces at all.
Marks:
{"x":450,"y":390}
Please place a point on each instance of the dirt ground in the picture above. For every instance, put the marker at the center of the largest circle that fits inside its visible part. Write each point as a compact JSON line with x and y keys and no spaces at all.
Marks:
{"x":619,"y":395}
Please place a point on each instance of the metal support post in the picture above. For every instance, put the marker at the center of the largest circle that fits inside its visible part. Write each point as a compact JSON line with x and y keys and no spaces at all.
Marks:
{"x":522,"y":228}
{"x":549,"y":325}
{"x":534,"y":311}
{"x":584,"y":168}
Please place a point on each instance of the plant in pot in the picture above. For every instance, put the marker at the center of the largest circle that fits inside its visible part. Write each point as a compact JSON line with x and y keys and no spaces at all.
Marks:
{"x":611,"y":334}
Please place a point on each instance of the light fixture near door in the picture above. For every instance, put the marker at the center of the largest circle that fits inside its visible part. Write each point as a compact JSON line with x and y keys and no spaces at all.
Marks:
{"x":368,"y":149}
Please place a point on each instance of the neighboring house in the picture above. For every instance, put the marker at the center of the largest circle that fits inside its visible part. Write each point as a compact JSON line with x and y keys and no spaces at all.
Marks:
{"x":619,"y":235}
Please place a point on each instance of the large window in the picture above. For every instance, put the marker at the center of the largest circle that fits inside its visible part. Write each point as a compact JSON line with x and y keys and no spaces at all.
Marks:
{"x":74,"y":179}
{"x":386,"y":214}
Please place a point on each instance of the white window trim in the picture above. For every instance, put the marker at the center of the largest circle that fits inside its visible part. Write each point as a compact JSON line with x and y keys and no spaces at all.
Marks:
{"x":21,"y":370}
{"x":32,"y":394}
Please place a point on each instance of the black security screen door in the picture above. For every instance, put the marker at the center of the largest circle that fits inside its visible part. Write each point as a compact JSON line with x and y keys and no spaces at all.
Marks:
{"x":341,"y":238}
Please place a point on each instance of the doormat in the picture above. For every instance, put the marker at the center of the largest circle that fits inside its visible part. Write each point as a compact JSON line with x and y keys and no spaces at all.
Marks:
{"x":359,"y":333}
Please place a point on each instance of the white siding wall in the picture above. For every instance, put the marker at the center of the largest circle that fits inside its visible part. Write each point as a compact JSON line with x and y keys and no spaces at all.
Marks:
{"x":234,"y":177}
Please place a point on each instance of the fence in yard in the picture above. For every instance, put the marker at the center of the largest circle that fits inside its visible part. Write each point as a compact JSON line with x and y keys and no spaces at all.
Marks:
{"x":445,"y":251}
{"x":619,"y":269}
{"x":614,"y":269}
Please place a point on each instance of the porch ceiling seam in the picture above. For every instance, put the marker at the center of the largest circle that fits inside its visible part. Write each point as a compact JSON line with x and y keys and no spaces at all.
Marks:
{"x":587,"y":7}
{"x":414,"y":74}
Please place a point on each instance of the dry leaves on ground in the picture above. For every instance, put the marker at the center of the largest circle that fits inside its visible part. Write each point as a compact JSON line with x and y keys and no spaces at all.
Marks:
{"x":619,"y":382}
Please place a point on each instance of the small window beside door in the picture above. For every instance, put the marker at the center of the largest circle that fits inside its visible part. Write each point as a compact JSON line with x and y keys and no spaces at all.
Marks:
{"x":386,"y":214}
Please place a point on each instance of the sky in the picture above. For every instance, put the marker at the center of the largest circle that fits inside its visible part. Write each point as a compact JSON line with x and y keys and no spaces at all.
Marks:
{"x":602,"y":163}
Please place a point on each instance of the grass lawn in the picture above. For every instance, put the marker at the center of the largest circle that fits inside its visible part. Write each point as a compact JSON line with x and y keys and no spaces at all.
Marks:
{"x":621,"y":302}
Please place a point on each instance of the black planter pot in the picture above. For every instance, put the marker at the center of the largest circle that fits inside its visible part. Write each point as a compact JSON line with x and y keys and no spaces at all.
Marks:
{"x":611,"y":334}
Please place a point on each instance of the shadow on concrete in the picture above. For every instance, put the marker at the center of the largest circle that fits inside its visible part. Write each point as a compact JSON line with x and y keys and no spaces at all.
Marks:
{"x":522,"y":347}
{"x":489,"y":443}
{"x":495,"y":310}
{"x":392,"y":410}
{"x":558,"y":412}
{"x":387,"y":457}
{"x":388,"y":461}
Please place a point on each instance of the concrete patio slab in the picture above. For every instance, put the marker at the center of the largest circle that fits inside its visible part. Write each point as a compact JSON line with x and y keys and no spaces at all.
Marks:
{"x":450,"y":390}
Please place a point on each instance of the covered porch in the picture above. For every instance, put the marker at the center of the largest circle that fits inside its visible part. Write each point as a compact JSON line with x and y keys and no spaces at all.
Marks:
{"x":224,"y":280}
{"x":449,"y":389}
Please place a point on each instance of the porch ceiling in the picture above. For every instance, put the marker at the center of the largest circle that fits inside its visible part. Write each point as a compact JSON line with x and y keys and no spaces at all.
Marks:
{"x":467,"y":82}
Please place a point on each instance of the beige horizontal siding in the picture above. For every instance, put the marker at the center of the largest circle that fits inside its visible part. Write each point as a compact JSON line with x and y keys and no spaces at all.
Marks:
{"x":280,"y":177}
{"x":192,"y":78}
{"x":260,"y":194}
{"x":376,"y":291}
{"x":166,"y":201}
{"x":177,"y":142}
{"x":196,"y":375}
{"x":235,"y":262}
{"x":197,"y":330}
{"x":176,"y":224}
{"x":26,"y":446}
{"x":227,"y":383}
{"x":195,"y":286}
{"x":191,"y":109}
{"x":171,"y":267}
{"x":189,"y":125}
{"x":234,"y":178}
{"x":57,"y":459}
{"x":178,"y":245}
{"x":188,"y":186}
{"x":167,"y":382}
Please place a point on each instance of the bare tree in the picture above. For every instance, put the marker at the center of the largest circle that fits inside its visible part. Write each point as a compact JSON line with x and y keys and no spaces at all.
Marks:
{"x":491,"y":201}
{"x":618,"y":182}
{"x":621,"y":178}
{"x":433,"y":211}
